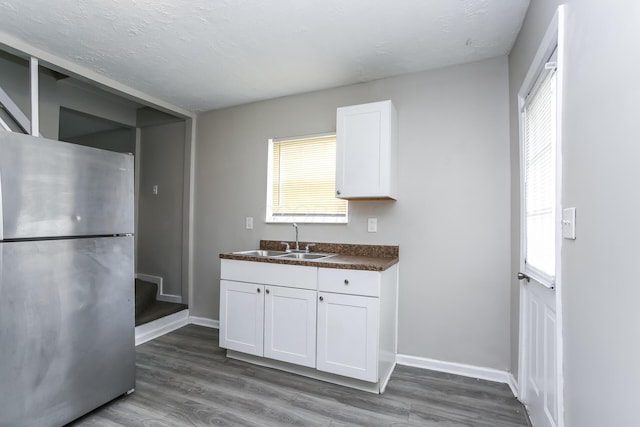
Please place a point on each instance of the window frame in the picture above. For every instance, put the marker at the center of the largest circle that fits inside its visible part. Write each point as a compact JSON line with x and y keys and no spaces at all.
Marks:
{"x":548,"y":280}
{"x":270,"y":218}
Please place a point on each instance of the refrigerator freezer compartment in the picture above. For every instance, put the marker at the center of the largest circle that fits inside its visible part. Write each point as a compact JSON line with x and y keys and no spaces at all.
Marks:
{"x":57,"y":189}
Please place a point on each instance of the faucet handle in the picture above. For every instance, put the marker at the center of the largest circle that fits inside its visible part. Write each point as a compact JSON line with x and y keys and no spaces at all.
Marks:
{"x":286,"y":248}
{"x":308,"y":246}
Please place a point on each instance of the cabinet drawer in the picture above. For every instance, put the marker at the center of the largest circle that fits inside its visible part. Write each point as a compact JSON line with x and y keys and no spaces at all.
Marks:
{"x":294,"y":276}
{"x":354,"y":282}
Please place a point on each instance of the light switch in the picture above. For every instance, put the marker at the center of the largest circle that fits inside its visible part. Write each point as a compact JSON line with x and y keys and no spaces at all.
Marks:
{"x":372,"y":225}
{"x":155,"y":190}
{"x":569,"y":223}
{"x":249,"y":223}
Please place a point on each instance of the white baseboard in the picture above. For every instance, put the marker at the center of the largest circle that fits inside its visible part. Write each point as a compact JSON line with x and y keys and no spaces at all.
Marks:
{"x":204,"y":321}
{"x":162,"y":326}
{"x":160,"y":295}
{"x":472,"y":371}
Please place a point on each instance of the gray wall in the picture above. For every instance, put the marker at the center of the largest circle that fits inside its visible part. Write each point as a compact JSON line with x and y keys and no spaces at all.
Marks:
{"x":160,"y":216}
{"x":119,"y":140}
{"x":14,"y":79}
{"x":600,"y":291}
{"x":451,"y":219}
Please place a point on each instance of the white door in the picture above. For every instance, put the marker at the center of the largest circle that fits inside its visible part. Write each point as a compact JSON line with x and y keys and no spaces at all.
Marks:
{"x":538,"y":373}
{"x":540,"y":382}
{"x":348,"y":335}
{"x":242,"y":316}
{"x":290,"y":325}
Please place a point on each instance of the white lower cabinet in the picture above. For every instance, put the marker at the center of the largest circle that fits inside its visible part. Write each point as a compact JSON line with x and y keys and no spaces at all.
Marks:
{"x":290,"y":325}
{"x":242,"y":317}
{"x":348,"y":335}
{"x":340,"y":323}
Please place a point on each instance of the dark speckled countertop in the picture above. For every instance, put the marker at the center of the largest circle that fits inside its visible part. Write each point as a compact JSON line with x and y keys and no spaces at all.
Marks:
{"x":349,"y":256}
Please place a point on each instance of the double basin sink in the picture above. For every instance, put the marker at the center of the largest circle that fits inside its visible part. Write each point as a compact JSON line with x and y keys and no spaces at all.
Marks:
{"x":285,"y":255}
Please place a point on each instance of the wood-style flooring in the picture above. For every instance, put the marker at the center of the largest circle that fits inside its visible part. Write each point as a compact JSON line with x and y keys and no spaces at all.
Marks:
{"x":184,"y":379}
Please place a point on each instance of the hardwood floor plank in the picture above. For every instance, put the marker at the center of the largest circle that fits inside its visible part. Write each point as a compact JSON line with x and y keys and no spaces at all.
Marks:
{"x":185,"y":379}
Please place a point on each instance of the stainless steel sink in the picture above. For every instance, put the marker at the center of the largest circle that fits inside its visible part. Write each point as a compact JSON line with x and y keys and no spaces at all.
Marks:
{"x":306,"y":255}
{"x":260,"y":253}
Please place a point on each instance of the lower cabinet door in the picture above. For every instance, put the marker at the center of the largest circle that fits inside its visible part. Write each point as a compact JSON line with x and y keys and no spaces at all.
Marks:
{"x":290,"y":325}
{"x":242,"y":317}
{"x":348,"y":335}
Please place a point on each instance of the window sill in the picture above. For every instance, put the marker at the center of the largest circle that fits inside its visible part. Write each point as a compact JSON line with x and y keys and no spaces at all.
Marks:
{"x":544,"y":279}
{"x":307,"y":220}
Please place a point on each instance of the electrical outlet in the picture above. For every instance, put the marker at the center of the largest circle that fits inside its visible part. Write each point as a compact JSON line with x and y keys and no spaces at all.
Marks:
{"x":249,"y":223}
{"x":372,"y":225}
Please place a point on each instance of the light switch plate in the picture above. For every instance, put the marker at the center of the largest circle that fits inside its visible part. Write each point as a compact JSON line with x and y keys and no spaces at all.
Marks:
{"x":569,"y":223}
{"x":249,"y":223}
{"x":372,"y":225}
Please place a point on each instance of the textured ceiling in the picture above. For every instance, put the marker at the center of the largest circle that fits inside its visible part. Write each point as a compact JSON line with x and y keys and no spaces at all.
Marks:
{"x":207,"y":54}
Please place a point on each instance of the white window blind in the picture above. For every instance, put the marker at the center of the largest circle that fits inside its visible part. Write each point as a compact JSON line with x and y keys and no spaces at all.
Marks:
{"x":302,"y":181}
{"x":540,"y":177}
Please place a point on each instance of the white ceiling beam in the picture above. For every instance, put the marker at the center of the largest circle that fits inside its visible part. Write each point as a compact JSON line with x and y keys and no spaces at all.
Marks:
{"x":35,"y":97}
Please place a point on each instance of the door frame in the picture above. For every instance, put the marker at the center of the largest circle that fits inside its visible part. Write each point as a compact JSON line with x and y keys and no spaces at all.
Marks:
{"x":552,"y":39}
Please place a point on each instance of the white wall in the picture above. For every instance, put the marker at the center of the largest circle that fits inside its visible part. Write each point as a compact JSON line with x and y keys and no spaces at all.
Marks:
{"x":602,"y":180}
{"x":451,"y":219}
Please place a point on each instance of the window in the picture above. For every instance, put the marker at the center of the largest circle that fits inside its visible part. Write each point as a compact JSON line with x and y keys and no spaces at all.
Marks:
{"x":540,"y":176}
{"x":301,"y":181}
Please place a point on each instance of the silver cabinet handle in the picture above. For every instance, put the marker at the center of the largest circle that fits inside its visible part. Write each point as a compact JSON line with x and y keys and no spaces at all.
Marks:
{"x":321,"y":299}
{"x":522,"y":276}
{"x":346,"y":282}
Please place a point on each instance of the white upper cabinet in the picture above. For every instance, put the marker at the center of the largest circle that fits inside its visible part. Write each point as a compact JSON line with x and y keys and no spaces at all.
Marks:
{"x":366,"y":151}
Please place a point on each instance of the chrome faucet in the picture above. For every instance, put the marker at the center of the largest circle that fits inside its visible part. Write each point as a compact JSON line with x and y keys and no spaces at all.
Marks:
{"x":297,"y":242}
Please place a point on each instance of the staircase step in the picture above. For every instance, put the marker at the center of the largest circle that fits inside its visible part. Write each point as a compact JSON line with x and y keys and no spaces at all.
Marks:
{"x":145,"y":295}
{"x":156,"y":310}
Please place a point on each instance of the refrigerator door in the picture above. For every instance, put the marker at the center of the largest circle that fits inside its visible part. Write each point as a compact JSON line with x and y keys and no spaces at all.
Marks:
{"x":57,"y":189}
{"x":66,"y":328}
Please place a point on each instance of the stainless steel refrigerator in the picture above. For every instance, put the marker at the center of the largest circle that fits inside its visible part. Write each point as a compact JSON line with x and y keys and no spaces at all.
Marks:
{"x":66,"y":279}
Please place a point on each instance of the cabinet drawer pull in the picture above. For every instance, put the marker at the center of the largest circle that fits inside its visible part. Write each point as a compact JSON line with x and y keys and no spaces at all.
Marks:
{"x":266,"y":290}
{"x":321,"y":298}
{"x":258,"y":290}
{"x":338,"y":192}
{"x":346,"y":282}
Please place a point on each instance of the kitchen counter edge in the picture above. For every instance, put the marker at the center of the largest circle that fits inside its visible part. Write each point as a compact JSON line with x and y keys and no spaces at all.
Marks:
{"x":345,"y":262}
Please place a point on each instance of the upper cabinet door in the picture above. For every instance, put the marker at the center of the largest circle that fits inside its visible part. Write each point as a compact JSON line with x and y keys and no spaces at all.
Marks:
{"x":366,"y":151}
